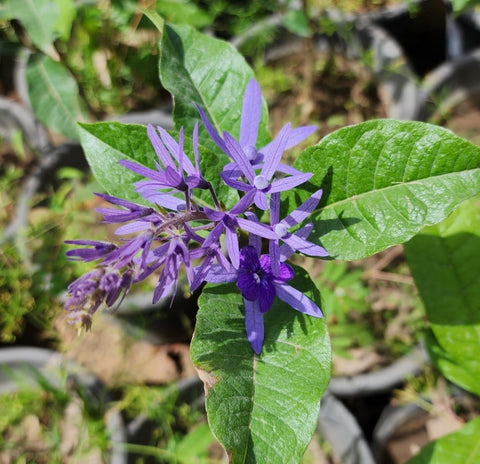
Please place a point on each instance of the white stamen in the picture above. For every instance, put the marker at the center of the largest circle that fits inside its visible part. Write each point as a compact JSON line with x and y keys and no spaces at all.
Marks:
{"x":260,"y":182}
{"x":250,"y":152}
{"x":281,"y":230}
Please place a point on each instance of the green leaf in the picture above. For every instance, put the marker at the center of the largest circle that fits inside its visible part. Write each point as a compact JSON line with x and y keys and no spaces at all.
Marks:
{"x":39,"y":18}
{"x":383,"y":181}
{"x":296,"y":22}
{"x":461,"y":5}
{"x":105,"y":144}
{"x":54,"y":96}
{"x":261,"y":408}
{"x":67,"y":13}
{"x":194,"y":445}
{"x":155,"y":18}
{"x":196,"y":68}
{"x":183,"y":12}
{"x":460,"y":447}
{"x":445,"y":262}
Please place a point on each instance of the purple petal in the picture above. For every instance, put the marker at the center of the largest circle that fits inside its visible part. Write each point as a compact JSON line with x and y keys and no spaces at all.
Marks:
{"x":176,"y":149}
{"x":163,"y":199}
{"x":251,"y":113}
{"x":286,"y":169}
{"x":272,"y":158}
{"x":286,"y":273}
{"x":287,"y":183}
{"x":232,"y":246}
{"x":297,"y":300}
{"x":119,"y":201}
{"x":143,"y":170}
{"x":244,"y":203}
{"x":236,"y":152}
{"x":218,"y":275}
{"x":299,"y":134}
{"x":133,"y":227}
{"x":285,"y":250}
{"x":267,"y":294}
{"x":303,"y":211}
{"x":248,"y":285}
{"x":159,"y":147}
{"x":254,"y":240}
{"x":213,"y":214}
{"x":261,"y":201}
{"x":254,"y":325}
{"x":99,"y":250}
{"x":296,"y":136}
{"x":249,"y":258}
{"x":274,"y":250}
{"x":257,"y":228}
{"x":274,"y":208}
{"x":214,"y":235}
{"x":195,"y":149}
{"x":211,"y":130}
{"x":235,"y":184}
{"x":173,"y":177}
{"x":304,"y":246}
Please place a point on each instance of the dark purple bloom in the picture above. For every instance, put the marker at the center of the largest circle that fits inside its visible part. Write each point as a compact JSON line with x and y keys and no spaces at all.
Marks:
{"x":259,"y":286}
{"x":256,"y":280}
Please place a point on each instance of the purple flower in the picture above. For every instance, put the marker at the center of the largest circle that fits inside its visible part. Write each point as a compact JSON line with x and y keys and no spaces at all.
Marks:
{"x":175,"y":172}
{"x":264,"y":182}
{"x":228,"y":222}
{"x":131,"y":212}
{"x":259,"y":286}
{"x":249,"y":124}
{"x":103,"y":285}
{"x":99,"y":250}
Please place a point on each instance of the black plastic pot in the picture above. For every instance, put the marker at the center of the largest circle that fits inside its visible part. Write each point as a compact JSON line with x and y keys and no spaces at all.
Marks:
{"x":425,"y":58}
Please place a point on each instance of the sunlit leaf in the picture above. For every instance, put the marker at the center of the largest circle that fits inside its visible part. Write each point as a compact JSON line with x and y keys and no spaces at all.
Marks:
{"x":445,"y":262}
{"x":383,"y":181}
{"x":261,"y":408}
{"x":196,"y":68}
{"x":460,"y":447}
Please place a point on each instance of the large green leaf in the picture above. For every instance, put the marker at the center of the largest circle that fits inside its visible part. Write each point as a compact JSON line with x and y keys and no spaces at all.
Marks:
{"x":54,"y":96}
{"x":200,"y":69}
{"x":383,"y":181}
{"x":261,"y":408}
{"x":459,"y":447}
{"x":445,"y":262}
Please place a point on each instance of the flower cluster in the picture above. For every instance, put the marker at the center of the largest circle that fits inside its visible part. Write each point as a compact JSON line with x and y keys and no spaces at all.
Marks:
{"x":177,"y":231}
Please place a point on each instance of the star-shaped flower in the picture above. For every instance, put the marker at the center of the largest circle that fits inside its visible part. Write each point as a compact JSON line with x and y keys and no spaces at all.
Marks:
{"x":259,"y":286}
